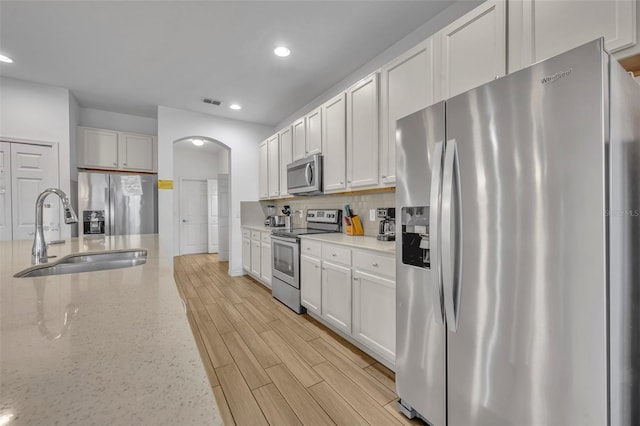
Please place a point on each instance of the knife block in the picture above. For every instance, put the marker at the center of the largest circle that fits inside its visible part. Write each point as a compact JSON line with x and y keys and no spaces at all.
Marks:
{"x":356,"y":226}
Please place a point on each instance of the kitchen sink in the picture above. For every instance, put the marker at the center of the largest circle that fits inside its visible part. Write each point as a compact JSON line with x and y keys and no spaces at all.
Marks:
{"x":88,"y":262}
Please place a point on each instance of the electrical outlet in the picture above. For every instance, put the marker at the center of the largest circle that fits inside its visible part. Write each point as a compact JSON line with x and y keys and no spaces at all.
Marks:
{"x":372,"y":215}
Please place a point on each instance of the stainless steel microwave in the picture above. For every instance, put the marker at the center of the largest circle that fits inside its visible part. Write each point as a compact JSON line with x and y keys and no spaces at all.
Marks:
{"x":304,"y":177}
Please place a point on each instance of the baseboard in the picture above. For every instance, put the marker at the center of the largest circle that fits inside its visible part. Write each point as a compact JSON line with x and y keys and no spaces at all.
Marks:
{"x":236,"y":272}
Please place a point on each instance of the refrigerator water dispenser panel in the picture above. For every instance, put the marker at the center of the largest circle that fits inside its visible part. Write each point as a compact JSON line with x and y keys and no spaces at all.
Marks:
{"x":415,"y":236}
{"x":93,"y":222}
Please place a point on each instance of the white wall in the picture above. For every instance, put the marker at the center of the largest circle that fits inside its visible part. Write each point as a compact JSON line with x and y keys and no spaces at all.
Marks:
{"x":90,"y":117}
{"x":423,"y":32}
{"x":192,"y":163}
{"x":37,"y":112}
{"x":241,"y":137}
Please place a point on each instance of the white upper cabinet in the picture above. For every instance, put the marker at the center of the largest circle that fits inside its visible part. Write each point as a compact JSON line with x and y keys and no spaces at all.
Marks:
{"x":362,"y":133}
{"x":286,"y":157}
{"x":299,"y":139}
{"x":263,"y":181}
{"x":136,"y":152}
{"x":473,"y":49}
{"x":273,"y":167}
{"x":97,"y":148}
{"x":314,"y":132}
{"x":539,"y":29}
{"x":112,"y":150}
{"x":334,"y":144}
{"x":408,"y":84}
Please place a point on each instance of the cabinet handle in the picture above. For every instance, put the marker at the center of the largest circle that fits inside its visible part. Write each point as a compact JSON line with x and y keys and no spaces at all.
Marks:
{"x":341,"y":183}
{"x":356,"y":278}
{"x":115,"y":164}
{"x":317,"y":266}
{"x":348,"y":181}
{"x":334,"y":255}
{"x":383,"y":177}
{"x":124,"y":164}
{"x":308,"y":248}
{"x":324,"y":269}
{"x":375,"y":265}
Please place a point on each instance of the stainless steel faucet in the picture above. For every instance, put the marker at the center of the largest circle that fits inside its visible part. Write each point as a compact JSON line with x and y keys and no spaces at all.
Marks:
{"x":39,"y":250}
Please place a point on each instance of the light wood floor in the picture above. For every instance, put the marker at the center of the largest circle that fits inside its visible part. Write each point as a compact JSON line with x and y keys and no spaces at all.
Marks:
{"x":267,"y":365}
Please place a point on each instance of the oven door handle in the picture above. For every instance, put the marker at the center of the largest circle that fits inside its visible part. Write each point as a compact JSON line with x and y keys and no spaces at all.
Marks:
{"x":284,"y":239}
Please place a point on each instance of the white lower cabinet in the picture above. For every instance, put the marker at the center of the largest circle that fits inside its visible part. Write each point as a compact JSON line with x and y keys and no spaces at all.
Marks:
{"x":246,"y":254}
{"x":374,"y":313}
{"x":358,"y":301}
{"x":256,"y":254}
{"x":311,"y":291}
{"x":336,"y":295}
{"x":265,"y":256}
{"x":255,"y":257}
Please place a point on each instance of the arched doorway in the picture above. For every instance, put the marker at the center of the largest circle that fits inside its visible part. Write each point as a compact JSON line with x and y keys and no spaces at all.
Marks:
{"x":201,"y":207}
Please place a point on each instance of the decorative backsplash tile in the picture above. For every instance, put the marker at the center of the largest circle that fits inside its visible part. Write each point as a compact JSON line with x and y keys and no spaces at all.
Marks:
{"x":360,"y":204}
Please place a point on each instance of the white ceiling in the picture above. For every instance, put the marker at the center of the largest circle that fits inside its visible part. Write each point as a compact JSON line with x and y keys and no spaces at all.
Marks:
{"x":209,"y":147}
{"x":130,"y":56}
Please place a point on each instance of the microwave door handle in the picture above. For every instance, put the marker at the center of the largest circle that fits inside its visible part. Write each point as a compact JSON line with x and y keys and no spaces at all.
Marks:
{"x":434,"y":232}
{"x":308,"y":173}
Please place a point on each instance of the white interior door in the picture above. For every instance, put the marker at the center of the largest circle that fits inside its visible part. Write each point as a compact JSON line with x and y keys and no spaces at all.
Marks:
{"x":34,"y":168}
{"x":193,"y":216}
{"x":5,"y":192}
{"x":223,"y":217}
{"x":212,"y":204}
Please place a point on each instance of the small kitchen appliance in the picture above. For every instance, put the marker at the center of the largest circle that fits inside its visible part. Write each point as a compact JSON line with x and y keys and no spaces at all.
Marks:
{"x":387,"y":229}
{"x":304,"y":177}
{"x":285,"y":252}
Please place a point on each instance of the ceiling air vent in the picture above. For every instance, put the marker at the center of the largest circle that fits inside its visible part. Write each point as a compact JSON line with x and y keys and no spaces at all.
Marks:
{"x":211,"y":101}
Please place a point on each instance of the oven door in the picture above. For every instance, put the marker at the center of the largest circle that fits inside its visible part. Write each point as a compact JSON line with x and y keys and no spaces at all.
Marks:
{"x":285,"y":253}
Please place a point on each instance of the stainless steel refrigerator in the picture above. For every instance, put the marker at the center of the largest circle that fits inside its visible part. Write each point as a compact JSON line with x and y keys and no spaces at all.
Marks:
{"x":117,"y":203}
{"x":518,"y":280}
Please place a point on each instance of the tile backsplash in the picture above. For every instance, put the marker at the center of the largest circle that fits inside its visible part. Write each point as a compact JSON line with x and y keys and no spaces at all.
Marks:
{"x":360,"y":204}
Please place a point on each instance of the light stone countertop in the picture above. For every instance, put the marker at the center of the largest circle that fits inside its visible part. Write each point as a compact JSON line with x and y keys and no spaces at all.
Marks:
{"x":125,"y":356}
{"x":356,"y":242}
{"x":261,"y":228}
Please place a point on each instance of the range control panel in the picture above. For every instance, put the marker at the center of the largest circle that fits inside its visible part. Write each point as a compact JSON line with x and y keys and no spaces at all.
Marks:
{"x":324,"y":216}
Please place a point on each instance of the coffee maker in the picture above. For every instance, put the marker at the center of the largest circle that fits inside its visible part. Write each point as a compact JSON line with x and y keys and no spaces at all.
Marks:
{"x":387,"y":229}
{"x":273,"y":220}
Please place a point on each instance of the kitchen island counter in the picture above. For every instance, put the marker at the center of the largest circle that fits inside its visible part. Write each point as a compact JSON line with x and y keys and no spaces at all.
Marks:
{"x":107,"y":347}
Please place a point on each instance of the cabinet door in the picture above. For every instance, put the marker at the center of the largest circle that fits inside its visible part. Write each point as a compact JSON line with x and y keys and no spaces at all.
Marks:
{"x":374,"y":313}
{"x":336,"y":296}
{"x":362,"y":133}
{"x":299,"y":139}
{"x":136,"y":152}
{"x":265,"y":254}
{"x":286,"y":157}
{"x":263,"y":180}
{"x":334,"y":144}
{"x":313,"y":135}
{"x":246,"y":254}
{"x":273,"y":148}
{"x":546,"y":28}
{"x":5,"y":192}
{"x":407,"y":85}
{"x":97,"y":148}
{"x":473,"y":49}
{"x":311,"y":284}
{"x":256,"y":260}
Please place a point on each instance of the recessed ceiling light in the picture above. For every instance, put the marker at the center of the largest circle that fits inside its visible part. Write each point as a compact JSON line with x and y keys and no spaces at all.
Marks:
{"x":197,"y":142}
{"x":281,"y":51}
{"x":235,"y":106}
{"x":6,"y":59}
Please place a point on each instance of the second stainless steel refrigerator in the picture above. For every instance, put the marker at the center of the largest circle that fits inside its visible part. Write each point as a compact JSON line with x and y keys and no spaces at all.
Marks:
{"x":519,"y":225}
{"x":117,"y":203}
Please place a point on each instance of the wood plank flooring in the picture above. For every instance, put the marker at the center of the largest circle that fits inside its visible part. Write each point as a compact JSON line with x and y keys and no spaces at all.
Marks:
{"x":267,"y":365}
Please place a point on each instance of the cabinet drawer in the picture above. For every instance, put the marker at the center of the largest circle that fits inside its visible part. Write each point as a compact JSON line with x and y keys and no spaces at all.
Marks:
{"x":246,"y":233}
{"x":311,"y":248}
{"x":374,"y":263}
{"x":336,"y":254}
{"x":266,"y":237}
{"x":255,"y":235}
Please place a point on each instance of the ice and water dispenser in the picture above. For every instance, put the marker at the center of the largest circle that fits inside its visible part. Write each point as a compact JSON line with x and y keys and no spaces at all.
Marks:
{"x":415,"y":236}
{"x":93,"y":221}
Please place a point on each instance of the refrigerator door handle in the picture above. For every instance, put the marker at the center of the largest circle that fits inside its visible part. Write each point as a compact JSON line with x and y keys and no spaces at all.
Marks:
{"x":451,"y":235}
{"x":434,"y":232}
